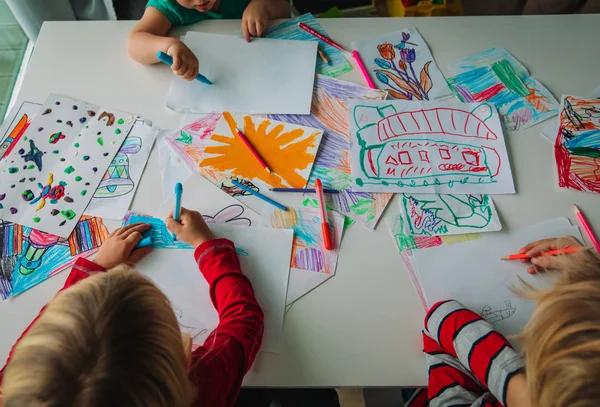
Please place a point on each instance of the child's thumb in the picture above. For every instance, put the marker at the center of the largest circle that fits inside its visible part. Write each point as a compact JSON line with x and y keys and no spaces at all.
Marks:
{"x":547,"y":262}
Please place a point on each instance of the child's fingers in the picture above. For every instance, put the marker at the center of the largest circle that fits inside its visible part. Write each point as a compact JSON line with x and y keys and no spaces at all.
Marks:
{"x":133,"y":238}
{"x":259,"y":28}
{"x":540,"y":247}
{"x":137,"y":228}
{"x":176,"y":62}
{"x":173,"y":226}
{"x":547,"y":262}
{"x":245,"y":30}
{"x":138,"y":254}
{"x":125,"y":229}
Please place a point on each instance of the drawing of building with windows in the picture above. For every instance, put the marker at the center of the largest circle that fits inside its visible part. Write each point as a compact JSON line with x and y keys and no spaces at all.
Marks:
{"x":425,"y":146}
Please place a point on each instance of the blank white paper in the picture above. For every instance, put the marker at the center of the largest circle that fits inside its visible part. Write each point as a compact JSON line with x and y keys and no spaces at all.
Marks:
{"x":266,"y":262}
{"x":473,"y":274}
{"x":264,"y":76}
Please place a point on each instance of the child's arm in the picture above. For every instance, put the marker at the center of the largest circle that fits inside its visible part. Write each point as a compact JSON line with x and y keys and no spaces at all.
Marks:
{"x":469,"y":354}
{"x":148,"y":37}
{"x":258,"y":13}
{"x":218,"y":367}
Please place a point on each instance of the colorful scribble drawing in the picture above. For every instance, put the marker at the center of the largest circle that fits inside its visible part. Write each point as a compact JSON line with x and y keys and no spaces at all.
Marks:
{"x":425,"y":150}
{"x":496,"y":316}
{"x":289,"y":30}
{"x":308,"y":251}
{"x":497,"y":77}
{"x":435,"y":214}
{"x":329,"y":112}
{"x":399,"y":76}
{"x":116,"y":180}
{"x":577,"y":147}
{"x":288,"y":149}
{"x":332,"y":165}
{"x":15,"y":128}
{"x":163,"y":239}
{"x":29,"y":256}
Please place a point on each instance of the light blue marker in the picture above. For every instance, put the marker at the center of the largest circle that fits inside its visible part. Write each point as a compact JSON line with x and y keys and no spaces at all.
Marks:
{"x":147,"y":241}
{"x":162,"y":57}
{"x":259,"y":195}
{"x":177,"y":209}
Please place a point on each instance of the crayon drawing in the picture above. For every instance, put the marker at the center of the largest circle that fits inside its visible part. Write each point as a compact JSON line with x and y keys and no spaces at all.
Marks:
{"x":49,"y":176}
{"x":577,"y":147}
{"x":497,"y":77}
{"x":289,"y":150}
{"x":330,"y":112}
{"x":428,"y":147}
{"x":15,"y":124}
{"x":308,"y":252}
{"x":435,"y":214}
{"x":402,"y":64}
{"x":29,"y":256}
{"x":289,"y":30}
{"x":119,"y":183}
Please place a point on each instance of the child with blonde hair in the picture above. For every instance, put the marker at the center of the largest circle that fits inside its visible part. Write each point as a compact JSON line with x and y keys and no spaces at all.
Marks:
{"x":471,"y":364}
{"x":149,"y":36}
{"x":111,"y":338}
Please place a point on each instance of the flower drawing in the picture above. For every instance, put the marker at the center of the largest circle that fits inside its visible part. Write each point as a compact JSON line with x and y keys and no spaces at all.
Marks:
{"x":399,"y":75}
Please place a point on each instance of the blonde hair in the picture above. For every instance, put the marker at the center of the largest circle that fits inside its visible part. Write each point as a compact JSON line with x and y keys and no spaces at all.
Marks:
{"x":561,"y":342}
{"x":110,"y":340}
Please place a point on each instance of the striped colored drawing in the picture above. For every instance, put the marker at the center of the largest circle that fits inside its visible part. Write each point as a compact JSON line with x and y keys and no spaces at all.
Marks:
{"x":15,"y":124}
{"x":435,"y":147}
{"x":435,"y":214}
{"x":577,"y":147}
{"x":289,"y":30}
{"x":497,"y":77}
{"x":289,"y":150}
{"x":308,"y":251}
{"x":29,"y":256}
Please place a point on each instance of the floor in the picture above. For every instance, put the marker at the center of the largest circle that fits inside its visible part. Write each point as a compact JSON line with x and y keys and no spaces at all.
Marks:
{"x":13,"y":44}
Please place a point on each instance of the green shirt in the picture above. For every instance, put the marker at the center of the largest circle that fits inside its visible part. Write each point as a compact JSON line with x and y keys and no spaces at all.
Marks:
{"x":179,"y":15}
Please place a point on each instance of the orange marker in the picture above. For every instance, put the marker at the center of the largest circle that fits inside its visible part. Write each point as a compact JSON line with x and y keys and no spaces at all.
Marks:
{"x":549,"y":253}
{"x":324,"y":224}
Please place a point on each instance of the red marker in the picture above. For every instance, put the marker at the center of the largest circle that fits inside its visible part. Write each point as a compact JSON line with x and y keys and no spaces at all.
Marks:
{"x":320,"y":36}
{"x":324,"y":225}
{"x":252,"y":150}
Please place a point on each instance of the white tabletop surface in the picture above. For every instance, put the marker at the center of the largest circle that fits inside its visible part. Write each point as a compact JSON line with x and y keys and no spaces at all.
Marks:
{"x":363,"y":327}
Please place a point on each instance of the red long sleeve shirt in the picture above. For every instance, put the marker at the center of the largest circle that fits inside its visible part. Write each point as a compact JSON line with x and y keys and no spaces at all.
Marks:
{"x":219,"y":365}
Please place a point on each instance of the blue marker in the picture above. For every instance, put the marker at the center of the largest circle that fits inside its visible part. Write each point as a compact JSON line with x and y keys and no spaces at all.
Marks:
{"x":259,"y":195}
{"x":162,"y":57}
{"x":147,"y":241}
{"x":177,"y":209}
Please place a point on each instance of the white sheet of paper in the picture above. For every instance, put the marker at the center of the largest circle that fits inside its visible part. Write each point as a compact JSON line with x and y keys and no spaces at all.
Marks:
{"x":436,"y":214}
{"x":387,"y":55}
{"x":215,"y":205}
{"x":266,"y":265}
{"x":117,"y":189}
{"x":58,"y":163}
{"x":172,"y":168}
{"x":550,"y":130}
{"x":16,"y":122}
{"x":264,"y":76}
{"x":428,"y":147}
{"x":311,"y":264}
{"x":473,"y":274}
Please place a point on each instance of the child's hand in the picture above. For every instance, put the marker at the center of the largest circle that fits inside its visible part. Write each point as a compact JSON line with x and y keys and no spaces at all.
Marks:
{"x":255,"y":19}
{"x":185,"y":63}
{"x":119,"y":247}
{"x":535,"y":249}
{"x":191,"y":227}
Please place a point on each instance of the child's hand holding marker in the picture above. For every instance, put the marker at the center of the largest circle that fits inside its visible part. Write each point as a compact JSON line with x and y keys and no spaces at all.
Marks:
{"x":191,"y":228}
{"x":119,"y":248}
{"x":185,"y":63}
{"x":536,"y":251}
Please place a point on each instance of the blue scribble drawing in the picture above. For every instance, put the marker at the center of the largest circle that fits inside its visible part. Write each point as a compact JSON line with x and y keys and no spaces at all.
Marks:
{"x":34,"y":154}
{"x":159,"y":233}
{"x":29,"y":256}
{"x":289,"y":30}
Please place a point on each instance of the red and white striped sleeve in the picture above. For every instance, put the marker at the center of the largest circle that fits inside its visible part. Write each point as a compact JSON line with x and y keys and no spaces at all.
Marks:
{"x":460,"y":341}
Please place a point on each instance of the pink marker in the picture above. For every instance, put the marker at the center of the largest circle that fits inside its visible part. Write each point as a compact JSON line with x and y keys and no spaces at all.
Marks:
{"x":324,"y":224}
{"x":363,"y":69}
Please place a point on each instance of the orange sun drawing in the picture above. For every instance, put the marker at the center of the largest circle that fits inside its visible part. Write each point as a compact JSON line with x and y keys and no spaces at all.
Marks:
{"x":289,"y":153}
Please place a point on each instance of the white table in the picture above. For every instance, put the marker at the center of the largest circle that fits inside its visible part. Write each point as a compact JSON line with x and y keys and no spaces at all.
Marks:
{"x":363,"y":327}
